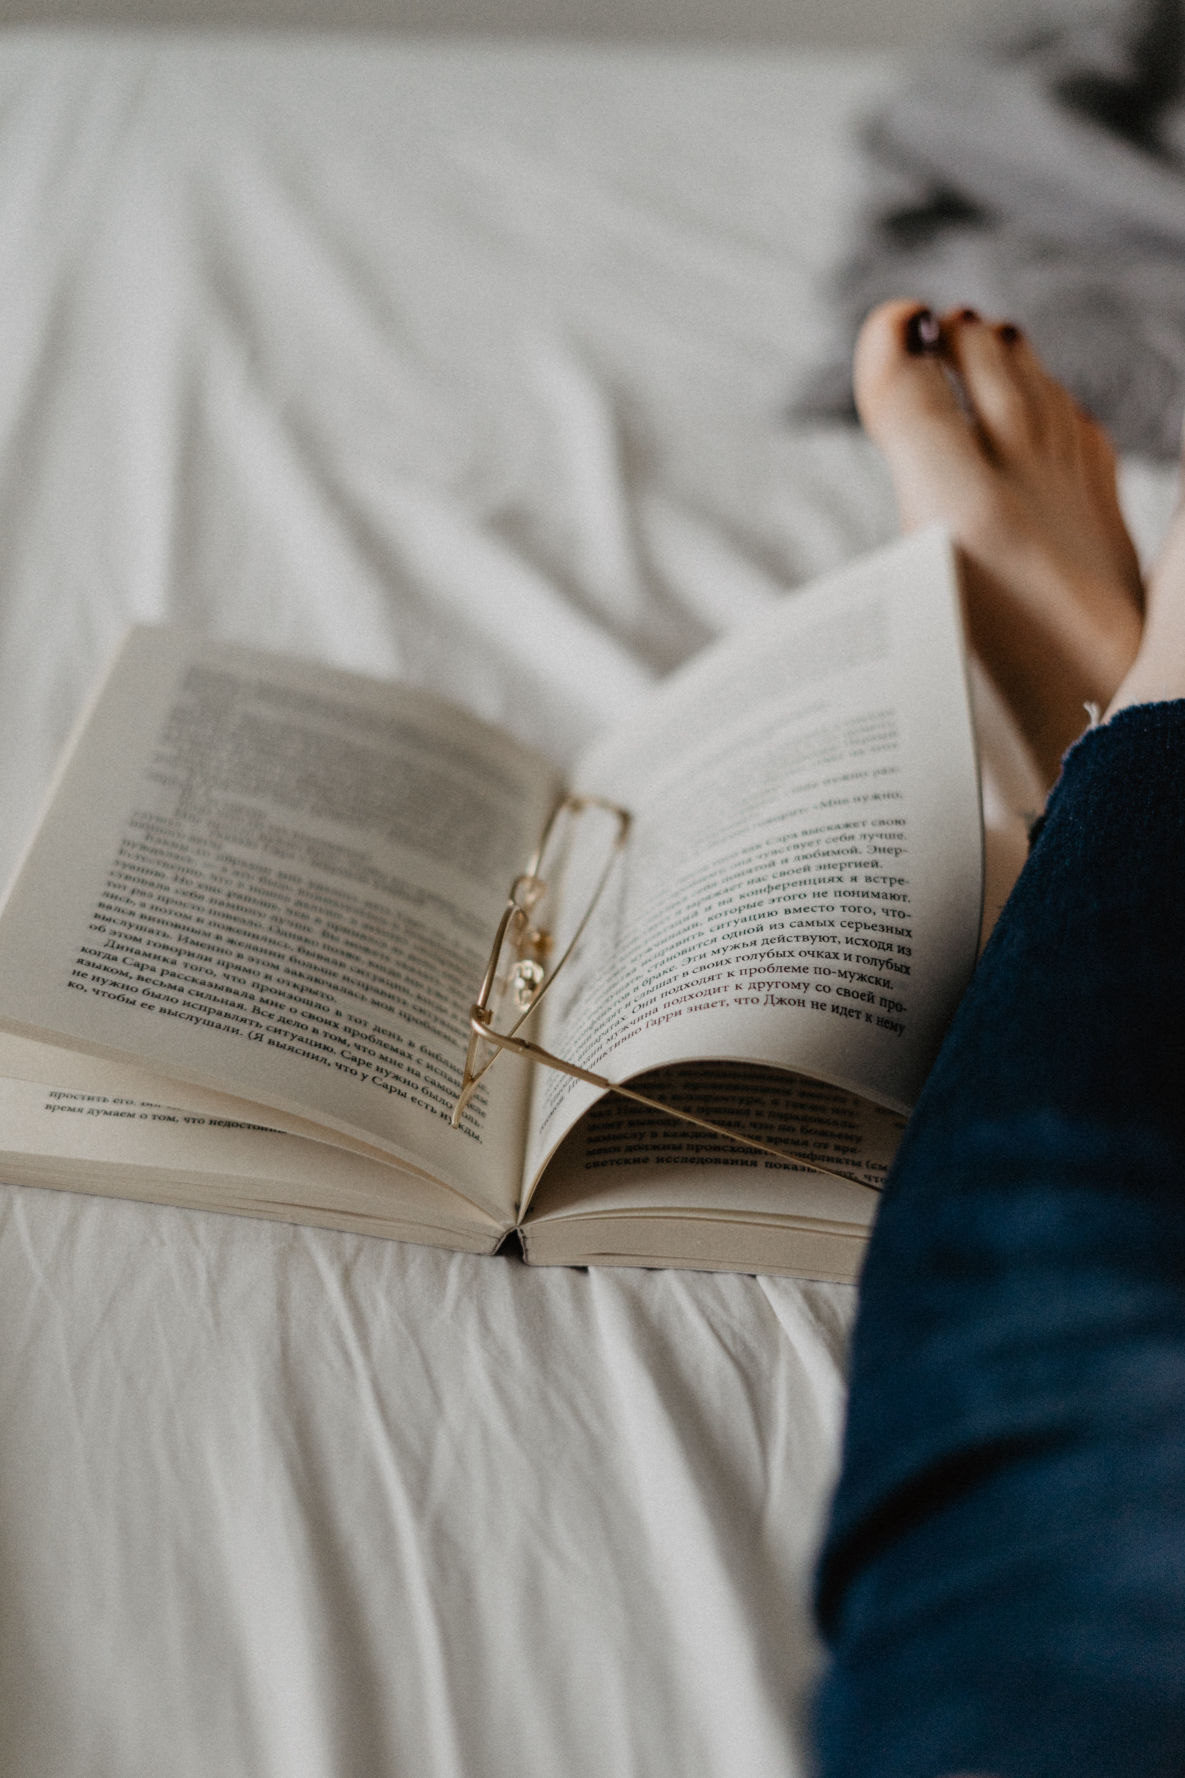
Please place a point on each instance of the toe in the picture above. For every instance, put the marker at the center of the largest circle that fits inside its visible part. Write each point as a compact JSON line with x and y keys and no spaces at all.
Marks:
{"x":1019,"y":407}
{"x":898,"y":370}
{"x":910,"y":406}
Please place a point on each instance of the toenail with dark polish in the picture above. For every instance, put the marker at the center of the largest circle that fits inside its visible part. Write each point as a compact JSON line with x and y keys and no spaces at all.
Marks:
{"x":968,"y":315}
{"x":922,"y":333}
{"x":1008,"y":333}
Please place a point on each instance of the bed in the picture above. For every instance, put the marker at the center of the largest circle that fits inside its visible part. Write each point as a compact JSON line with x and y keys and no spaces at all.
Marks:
{"x":469,"y":364}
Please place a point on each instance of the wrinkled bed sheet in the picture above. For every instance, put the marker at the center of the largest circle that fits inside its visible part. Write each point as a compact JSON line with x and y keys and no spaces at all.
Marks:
{"x":466,"y":364}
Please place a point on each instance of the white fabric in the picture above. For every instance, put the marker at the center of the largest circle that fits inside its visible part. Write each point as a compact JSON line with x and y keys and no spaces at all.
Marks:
{"x":466,"y":364}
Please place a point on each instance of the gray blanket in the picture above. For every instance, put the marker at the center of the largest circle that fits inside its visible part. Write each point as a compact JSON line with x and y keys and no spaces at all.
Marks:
{"x":1043,"y":178}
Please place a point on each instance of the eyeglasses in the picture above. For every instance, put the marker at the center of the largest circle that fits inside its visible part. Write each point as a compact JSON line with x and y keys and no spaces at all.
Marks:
{"x":531,"y":947}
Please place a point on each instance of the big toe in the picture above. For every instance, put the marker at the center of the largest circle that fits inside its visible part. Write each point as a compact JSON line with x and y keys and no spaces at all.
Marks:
{"x":910,"y":407}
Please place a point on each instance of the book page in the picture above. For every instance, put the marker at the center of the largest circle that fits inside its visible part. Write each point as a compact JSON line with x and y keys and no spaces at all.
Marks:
{"x":802,"y":885}
{"x":623,"y":1157}
{"x":124,"y":1147}
{"x":280,"y":881}
{"x":629,"y":1186}
{"x":81,"y":1071}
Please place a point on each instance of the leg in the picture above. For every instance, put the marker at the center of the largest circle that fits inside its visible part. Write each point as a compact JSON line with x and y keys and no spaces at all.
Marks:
{"x":1003,"y":1585}
{"x":1158,"y":671}
{"x":979,"y":436}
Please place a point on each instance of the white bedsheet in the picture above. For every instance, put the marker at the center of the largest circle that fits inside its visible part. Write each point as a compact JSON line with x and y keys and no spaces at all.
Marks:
{"x":467,"y":364}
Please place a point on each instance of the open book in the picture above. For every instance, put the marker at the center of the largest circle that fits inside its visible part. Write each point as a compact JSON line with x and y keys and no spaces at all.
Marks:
{"x":237,"y":962}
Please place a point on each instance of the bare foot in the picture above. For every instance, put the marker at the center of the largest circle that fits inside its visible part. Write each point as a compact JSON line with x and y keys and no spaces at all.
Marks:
{"x":979,"y":436}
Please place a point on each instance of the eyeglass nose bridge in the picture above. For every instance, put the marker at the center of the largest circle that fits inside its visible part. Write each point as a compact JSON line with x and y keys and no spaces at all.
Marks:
{"x":527,"y":891}
{"x":532,"y":945}
{"x":530,"y":940}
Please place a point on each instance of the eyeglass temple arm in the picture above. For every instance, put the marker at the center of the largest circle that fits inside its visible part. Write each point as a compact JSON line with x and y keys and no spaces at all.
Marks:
{"x":520,"y":1046}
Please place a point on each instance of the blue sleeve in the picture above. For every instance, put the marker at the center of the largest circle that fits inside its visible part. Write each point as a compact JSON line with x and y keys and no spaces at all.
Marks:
{"x":1003,"y":1582}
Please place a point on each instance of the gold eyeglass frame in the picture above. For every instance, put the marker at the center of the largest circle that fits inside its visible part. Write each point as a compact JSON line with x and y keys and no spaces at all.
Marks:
{"x":530,"y":978}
